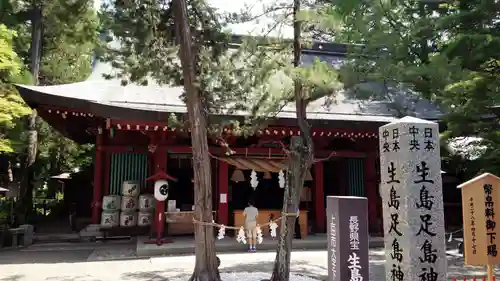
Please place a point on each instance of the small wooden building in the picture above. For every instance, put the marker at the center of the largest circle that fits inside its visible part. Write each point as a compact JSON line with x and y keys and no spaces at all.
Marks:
{"x":129,"y":126}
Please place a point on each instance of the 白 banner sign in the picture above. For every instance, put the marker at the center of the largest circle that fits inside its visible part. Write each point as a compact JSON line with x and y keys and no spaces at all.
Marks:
{"x":480,"y":199}
{"x":347,"y":238}
{"x":411,"y":191}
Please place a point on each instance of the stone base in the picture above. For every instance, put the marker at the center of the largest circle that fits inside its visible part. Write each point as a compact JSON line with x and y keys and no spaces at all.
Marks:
{"x":29,"y":233}
{"x":91,"y":232}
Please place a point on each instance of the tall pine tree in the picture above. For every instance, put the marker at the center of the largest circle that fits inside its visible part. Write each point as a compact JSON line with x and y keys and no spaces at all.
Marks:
{"x":66,"y":34}
{"x":217,"y":81}
{"x":256,"y":77}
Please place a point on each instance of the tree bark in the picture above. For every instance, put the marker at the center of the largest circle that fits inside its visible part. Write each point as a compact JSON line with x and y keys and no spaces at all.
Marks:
{"x":27,"y":181}
{"x":301,"y":158}
{"x":206,"y":262}
{"x":295,"y":179}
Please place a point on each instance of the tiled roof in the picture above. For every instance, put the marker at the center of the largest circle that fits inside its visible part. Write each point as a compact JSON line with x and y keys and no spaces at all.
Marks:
{"x":163,"y":99}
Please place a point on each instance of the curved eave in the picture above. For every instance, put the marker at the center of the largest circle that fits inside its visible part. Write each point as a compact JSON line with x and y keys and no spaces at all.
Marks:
{"x":151,"y":103}
{"x":36,"y":96}
{"x":78,"y":129}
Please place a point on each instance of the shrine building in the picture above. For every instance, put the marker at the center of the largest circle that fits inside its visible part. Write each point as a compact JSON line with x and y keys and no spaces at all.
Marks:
{"x":133,"y":140}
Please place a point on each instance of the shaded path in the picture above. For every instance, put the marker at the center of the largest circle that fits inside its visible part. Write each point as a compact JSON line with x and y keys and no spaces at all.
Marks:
{"x":73,"y":265}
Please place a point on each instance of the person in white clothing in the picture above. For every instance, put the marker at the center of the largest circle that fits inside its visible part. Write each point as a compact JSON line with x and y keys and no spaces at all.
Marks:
{"x":251,"y":213}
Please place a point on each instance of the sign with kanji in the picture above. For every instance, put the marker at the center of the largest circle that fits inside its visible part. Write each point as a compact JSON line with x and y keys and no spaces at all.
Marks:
{"x":347,"y":238}
{"x":479,"y":206}
{"x":412,"y":198}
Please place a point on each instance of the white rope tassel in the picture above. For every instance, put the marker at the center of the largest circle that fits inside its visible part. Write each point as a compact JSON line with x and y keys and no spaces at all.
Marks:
{"x":273,"y":226}
{"x":241,"y":238}
{"x":254,"y":181}
{"x":281,"y":179}
{"x":260,"y":239}
{"x":222,"y":232}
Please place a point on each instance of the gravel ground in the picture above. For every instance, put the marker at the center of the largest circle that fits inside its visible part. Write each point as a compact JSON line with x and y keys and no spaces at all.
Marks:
{"x":92,"y":263}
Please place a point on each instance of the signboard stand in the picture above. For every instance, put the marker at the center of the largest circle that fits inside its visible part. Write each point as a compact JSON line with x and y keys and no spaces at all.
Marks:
{"x":347,"y":238}
{"x":480,"y":197}
{"x":412,"y":198}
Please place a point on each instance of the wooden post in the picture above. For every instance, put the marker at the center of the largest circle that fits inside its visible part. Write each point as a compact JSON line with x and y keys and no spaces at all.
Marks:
{"x":319,"y":197}
{"x":160,"y":163}
{"x":223,"y":212}
{"x":107,"y":171}
{"x":97,"y":196}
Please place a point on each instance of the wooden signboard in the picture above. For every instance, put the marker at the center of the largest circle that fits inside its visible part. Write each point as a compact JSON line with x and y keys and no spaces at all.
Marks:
{"x":481,"y":220}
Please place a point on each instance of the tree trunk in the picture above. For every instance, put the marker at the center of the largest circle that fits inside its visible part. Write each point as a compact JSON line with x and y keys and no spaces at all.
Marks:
{"x":206,"y":262}
{"x":301,"y":159}
{"x":295,"y":180}
{"x":27,"y":181}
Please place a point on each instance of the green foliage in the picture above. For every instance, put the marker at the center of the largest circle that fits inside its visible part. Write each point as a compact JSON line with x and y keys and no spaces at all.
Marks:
{"x":145,"y":29}
{"x":5,"y":210}
{"x":57,"y":154}
{"x":70,"y":35}
{"x":10,"y":64}
{"x":254,"y":77}
{"x":12,"y":107}
{"x":445,"y":52}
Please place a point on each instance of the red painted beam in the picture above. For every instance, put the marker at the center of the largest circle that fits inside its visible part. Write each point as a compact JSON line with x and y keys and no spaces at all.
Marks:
{"x":138,"y":125}
{"x":271,"y":130}
{"x":134,"y":123}
{"x":124,"y":149}
{"x":251,"y":151}
{"x":266,"y":152}
{"x":328,"y":132}
{"x":66,"y":111}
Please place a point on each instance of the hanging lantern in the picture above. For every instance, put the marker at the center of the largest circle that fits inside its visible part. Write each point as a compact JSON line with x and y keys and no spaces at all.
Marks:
{"x":308,"y":176}
{"x":267,"y":175}
{"x":237,"y":176}
{"x":254,"y":181}
{"x":281,"y":179}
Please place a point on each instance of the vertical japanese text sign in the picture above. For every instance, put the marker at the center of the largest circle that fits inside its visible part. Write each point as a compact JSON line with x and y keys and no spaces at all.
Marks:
{"x":412,"y":198}
{"x":347,"y":238}
{"x":479,"y":207}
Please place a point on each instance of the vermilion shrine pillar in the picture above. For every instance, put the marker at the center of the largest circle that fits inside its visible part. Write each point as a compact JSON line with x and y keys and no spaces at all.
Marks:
{"x":107,"y":169}
{"x":319,"y":197}
{"x":160,"y":163}
{"x":223,"y":210}
{"x":371,"y":191}
{"x":98,"y":178}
